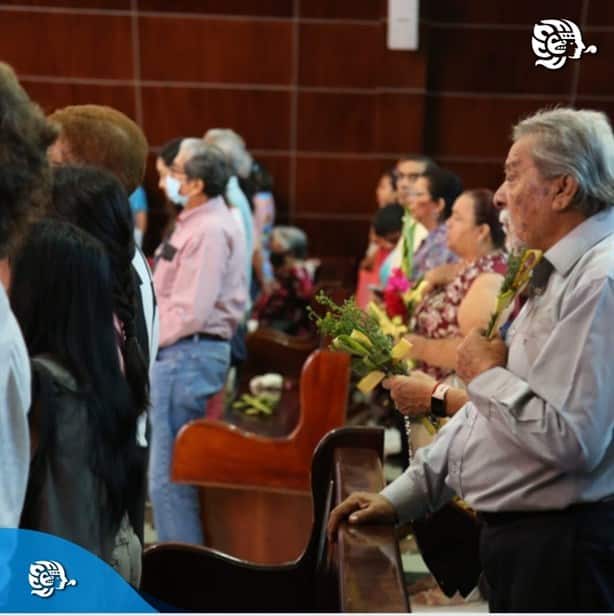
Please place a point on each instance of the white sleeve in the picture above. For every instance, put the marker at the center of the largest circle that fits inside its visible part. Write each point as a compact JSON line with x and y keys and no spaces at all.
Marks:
{"x":15,"y":399}
{"x":150,"y":310}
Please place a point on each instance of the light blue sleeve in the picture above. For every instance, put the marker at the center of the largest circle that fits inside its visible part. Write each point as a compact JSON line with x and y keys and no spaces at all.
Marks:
{"x":236,"y":197}
{"x":138,"y":200}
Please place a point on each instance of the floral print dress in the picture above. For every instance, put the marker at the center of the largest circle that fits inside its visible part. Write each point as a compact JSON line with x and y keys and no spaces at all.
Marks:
{"x":437,"y":316}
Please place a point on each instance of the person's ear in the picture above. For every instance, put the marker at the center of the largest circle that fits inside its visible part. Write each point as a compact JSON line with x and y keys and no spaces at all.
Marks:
{"x":565,"y":188}
{"x":483,"y":232}
{"x":196,"y":186}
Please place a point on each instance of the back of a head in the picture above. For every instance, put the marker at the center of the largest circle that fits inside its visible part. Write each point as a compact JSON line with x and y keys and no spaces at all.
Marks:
{"x":260,"y":178}
{"x":25,"y":135}
{"x":103,"y":137}
{"x":294,"y":240}
{"x":443,"y":184}
{"x":60,"y":261}
{"x":388,"y":219}
{"x":233,"y":147}
{"x":578,"y":143}
{"x":94,"y":200}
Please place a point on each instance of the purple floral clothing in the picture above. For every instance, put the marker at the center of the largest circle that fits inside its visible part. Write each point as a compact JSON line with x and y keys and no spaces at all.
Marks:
{"x":432,"y":252}
{"x":437,"y":316}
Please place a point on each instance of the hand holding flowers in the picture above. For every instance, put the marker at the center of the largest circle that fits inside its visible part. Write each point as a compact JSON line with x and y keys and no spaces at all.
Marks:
{"x":374,"y":353}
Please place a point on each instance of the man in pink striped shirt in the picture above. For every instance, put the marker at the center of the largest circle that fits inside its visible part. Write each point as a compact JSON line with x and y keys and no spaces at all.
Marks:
{"x":201,"y":287}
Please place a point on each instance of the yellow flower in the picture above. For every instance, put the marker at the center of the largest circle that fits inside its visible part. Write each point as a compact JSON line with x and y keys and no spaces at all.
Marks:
{"x":360,"y":337}
{"x":367,"y":383}
{"x":401,"y":349}
{"x":414,"y":296}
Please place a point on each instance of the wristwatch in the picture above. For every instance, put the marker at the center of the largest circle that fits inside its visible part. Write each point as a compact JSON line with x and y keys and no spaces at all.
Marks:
{"x":438,"y":400}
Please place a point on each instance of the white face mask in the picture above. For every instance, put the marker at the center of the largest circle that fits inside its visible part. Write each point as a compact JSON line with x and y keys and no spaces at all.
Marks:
{"x":173,"y":185}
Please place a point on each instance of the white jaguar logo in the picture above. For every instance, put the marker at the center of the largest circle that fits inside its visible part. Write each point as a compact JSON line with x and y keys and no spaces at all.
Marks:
{"x":47,"y":576}
{"x":555,"y":40}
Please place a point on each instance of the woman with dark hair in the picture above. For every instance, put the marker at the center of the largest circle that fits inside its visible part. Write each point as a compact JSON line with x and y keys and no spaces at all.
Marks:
{"x":263,"y":206}
{"x":165,"y":159}
{"x":430,"y":203}
{"x":450,"y":311}
{"x":94,"y":200}
{"x":83,"y":418}
{"x":386,"y":189}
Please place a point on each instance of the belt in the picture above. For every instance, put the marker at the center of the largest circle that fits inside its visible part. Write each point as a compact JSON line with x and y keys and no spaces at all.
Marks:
{"x":508,"y":517}
{"x":203,"y":336}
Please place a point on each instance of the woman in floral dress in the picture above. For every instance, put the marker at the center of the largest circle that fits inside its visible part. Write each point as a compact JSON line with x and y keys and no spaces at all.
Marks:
{"x":464,"y":298}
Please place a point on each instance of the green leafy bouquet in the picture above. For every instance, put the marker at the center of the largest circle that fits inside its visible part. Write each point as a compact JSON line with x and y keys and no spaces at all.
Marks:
{"x":374,"y":353}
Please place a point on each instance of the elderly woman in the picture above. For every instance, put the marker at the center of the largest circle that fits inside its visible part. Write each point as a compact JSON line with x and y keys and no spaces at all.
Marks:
{"x":430,"y":203}
{"x":451,"y":310}
{"x":285,"y":308}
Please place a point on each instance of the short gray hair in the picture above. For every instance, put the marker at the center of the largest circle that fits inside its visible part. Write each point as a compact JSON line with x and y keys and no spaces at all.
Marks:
{"x":233,"y":146}
{"x":575,"y":142}
{"x":209,"y":165}
{"x":293,"y":239}
{"x":192,"y":146}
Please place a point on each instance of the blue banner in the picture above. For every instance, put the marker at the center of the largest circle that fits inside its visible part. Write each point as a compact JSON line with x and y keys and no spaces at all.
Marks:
{"x":43,"y":573}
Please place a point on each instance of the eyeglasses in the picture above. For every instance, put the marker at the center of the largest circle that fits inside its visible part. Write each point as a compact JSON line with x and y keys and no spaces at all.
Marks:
{"x":408,"y":176}
{"x":176,"y":170}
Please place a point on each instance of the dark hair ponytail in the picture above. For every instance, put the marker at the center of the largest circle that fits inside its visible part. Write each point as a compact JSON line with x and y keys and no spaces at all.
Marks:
{"x":125,"y":306}
{"x":95,"y":201}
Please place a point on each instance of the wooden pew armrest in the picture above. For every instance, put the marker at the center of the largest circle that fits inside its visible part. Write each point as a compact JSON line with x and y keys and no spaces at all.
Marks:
{"x":367,"y":557}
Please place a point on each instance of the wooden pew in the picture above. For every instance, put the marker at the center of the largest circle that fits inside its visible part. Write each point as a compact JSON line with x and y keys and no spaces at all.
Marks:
{"x":360,"y":573}
{"x":271,"y":351}
{"x":254,"y":481}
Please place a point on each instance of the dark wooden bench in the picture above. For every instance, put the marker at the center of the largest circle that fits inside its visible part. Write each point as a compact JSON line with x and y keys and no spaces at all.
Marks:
{"x":360,"y":573}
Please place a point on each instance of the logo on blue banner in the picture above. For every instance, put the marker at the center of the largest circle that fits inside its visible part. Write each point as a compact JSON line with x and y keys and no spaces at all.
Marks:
{"x":43,"y":573}
{"x":47,"y":576}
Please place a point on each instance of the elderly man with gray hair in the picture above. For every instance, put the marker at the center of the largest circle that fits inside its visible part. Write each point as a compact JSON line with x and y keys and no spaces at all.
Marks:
{"x":533,"y":450}
{"x":202,"y":292}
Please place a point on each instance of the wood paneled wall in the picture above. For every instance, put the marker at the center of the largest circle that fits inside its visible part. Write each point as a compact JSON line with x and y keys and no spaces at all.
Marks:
{"x":310,"y":85}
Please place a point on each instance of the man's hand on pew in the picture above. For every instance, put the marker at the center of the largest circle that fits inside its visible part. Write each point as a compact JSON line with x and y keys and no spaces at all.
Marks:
{"x":361,"y":508}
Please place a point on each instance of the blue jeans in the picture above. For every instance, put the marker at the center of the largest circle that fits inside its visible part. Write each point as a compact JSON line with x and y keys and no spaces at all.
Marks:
{"x":184,"y":376}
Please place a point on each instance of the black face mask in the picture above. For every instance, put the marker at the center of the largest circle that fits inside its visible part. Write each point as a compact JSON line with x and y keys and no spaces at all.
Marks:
{"x":278,"y":258}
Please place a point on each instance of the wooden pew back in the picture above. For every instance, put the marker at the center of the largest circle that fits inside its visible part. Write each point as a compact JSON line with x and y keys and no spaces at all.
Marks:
{"x":362,"y":572}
